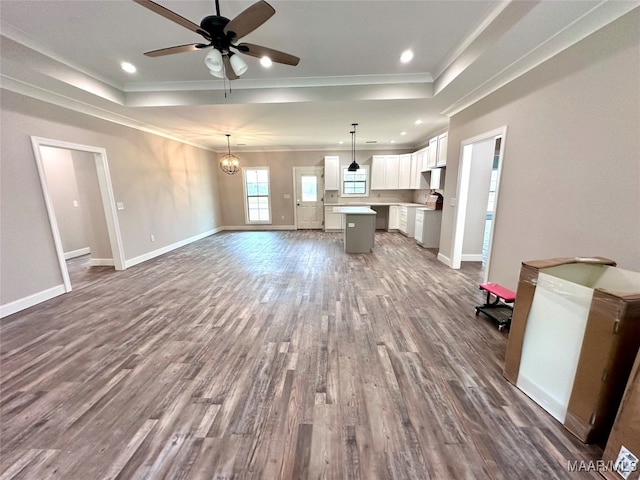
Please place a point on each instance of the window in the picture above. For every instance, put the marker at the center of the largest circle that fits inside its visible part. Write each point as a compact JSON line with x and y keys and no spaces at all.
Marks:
{"x":309,"y":188}
{"x":355,"y":184}
{"x":257,"y":202}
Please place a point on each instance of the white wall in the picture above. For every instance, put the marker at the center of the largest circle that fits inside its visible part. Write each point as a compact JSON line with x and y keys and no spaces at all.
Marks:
{"x":479,"y":183}
{"x":571,"y":173}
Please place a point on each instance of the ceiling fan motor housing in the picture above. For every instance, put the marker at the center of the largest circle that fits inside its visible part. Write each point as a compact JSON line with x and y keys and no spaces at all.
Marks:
{"x":214,"y":26}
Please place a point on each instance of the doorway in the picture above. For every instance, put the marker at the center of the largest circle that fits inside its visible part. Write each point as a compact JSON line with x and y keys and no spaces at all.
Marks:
{"x":479,"y":174}
{"x":309,"y":194}
{"x":98,"y":156}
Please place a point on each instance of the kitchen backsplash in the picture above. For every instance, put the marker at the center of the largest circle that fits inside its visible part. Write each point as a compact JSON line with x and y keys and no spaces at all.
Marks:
{"x":380,"y":196}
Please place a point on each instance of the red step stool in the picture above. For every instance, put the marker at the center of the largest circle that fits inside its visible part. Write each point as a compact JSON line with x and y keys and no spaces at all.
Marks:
{"x":497,"y":309}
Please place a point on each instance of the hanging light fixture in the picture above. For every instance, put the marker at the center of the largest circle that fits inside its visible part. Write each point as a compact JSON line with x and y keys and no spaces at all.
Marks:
{"x":229,"y":163}
{"x":354,"y":165}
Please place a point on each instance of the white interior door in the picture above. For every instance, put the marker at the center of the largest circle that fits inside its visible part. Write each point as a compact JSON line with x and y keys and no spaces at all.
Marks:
{"x":309,"y":196}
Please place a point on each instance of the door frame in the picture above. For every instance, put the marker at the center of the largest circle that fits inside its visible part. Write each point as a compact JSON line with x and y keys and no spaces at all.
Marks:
{"x":464,"y":167}
{"x":316,"y":169}
{"x":106,"y":192}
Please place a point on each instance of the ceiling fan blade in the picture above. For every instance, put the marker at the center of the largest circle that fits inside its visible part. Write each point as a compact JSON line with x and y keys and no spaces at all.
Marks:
{"x":248,"y":20}
{"x":231,"y":75}
{"x":275,"y":55}
{"x":174,"y":17}
{"x":179,"y":49}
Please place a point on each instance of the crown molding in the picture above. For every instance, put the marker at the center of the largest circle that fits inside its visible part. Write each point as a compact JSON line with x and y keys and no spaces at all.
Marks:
{"x":39,"y":93}
{"x":596,"y":18}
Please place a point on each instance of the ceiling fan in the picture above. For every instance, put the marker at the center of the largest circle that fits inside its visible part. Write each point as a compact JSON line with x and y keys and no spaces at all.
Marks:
{"x":221,"y":34}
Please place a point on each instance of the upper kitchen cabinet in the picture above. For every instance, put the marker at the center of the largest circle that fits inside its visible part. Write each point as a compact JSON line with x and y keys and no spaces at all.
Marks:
{"x":385,"y":172}
{"x":432,"y":159}
{"x":332,"y":173}
{"x":404,"y":173}
{"x":442,"y":150}
{"x":438,"y":151}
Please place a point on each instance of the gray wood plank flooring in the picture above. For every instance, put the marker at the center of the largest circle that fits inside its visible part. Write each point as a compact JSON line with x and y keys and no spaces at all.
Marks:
{"x":270,"y":355}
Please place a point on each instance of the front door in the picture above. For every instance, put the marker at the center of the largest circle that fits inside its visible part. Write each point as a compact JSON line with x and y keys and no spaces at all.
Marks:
{"x":309,"y":197}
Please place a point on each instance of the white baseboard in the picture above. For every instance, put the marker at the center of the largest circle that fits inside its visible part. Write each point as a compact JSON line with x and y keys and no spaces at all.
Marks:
{"x":444,"y":259}
{"x":31,"y":300}
{"x":161,"y":251}
{"x":101,"y":262}
{"x":257,"y":227}
{"x":470,"y":257}
{"x":77,"y":253}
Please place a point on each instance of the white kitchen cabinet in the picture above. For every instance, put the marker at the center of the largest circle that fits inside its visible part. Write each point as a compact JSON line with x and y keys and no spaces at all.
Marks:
{"x":332,"y":173}
{"x":408,"y":220}
{"x":333,"y":222}
{"x":427,"y":227}
{"x":424,"y":159}
{"x":435,"y":179}
{"x":385,"y":172}
{"x":394,"y":217}
{"x":415,"y":171}
{"x":433,"y":153}
{"x":419,"y":223}
{"x":443,"y":141}
{"x":404,"y":172}
{"x":392,"y":172}
{"x":378,"y":166}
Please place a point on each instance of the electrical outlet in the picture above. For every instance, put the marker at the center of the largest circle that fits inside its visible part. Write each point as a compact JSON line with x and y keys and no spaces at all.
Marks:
{"x":282,"y":217}
{"x":153,"y":238}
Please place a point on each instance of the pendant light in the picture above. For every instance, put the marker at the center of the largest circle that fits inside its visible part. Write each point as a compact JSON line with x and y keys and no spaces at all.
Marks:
{"x":229,"y":163}
{"x":354,"y":167}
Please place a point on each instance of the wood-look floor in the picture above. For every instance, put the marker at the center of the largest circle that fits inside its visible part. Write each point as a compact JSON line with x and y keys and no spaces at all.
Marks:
{"x":271,"y":355}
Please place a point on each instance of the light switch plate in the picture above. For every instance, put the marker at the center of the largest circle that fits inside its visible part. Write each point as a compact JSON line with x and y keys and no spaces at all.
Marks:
{"x":120,"y":206}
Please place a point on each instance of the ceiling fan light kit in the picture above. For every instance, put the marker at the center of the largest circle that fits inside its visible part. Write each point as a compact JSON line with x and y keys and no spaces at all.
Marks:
{"x":238,"y":65}
{"x":222,"y":33}
{"x":213,"y":61}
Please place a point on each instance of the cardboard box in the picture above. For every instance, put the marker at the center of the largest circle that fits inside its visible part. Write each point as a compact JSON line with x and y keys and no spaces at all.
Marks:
{"x":623,"y":448}
{"x":574,"y":335}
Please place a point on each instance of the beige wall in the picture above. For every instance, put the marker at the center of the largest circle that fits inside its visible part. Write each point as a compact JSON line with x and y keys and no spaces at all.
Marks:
{"x":169,"y":189}
{"x":95,"y":220}
{"x":571,"y":177}
{"x":63,"y":191}
{"x":281,"y":176}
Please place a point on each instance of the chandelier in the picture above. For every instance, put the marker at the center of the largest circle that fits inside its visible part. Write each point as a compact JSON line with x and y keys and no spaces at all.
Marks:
{"x":229,"y":163}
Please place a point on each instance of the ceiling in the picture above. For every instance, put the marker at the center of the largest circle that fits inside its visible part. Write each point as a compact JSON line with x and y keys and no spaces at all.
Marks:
{"x":69,"y":53}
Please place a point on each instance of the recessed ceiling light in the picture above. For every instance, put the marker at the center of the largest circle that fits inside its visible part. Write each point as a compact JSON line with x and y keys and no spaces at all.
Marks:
{"x":406,"y":56}
{"x":392,"y":141}
{"x":403,"y":133}
{"x":340,"y":142}
{"x":418,"y":122}
{"x":128,"y":67}
{"x":266,"y":62}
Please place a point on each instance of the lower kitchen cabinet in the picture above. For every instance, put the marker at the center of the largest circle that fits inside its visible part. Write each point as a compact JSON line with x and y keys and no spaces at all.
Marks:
{"x":394,"y":217}
{"x":333,"y":222}
{"x":427,"y":227}
{"x":408,"y":220}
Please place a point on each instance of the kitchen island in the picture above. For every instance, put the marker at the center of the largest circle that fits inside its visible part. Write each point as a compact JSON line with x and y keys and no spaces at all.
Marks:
{"x":359,"y":228}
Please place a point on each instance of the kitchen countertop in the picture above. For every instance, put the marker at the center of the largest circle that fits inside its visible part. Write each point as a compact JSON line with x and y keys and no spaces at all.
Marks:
{"x":354,"y":210}
{"x":373,"y":204}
